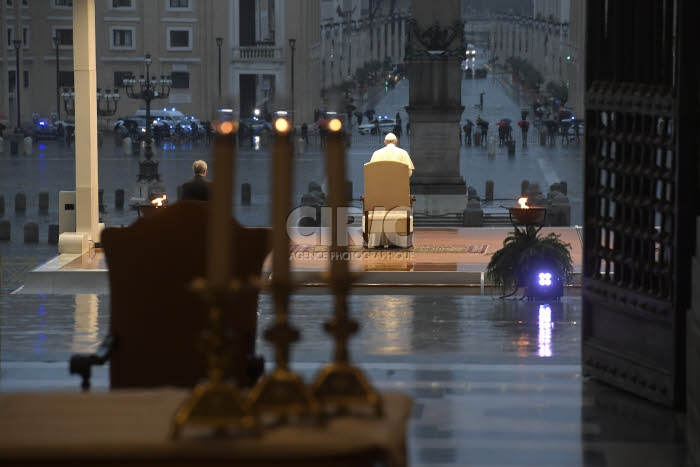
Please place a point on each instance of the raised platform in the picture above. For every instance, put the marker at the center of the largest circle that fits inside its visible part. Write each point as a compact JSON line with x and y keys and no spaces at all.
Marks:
{"x":440,"y":257}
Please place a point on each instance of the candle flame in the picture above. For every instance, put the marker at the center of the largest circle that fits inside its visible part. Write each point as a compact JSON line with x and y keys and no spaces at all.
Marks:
{"x":522,"y":202}
{"x":282,"y":125}
{"x":335,"y":124}
{"x":158,"y":201}
{"x":226,"y":128}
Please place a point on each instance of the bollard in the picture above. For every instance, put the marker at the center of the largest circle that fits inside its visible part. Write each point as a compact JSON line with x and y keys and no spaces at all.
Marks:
{"x":5,"y":230}
{"x":119,"y":199}
{"x":20,"y":203}
{"x":488,"y":192}
{"x":28,"y":145}
{"x":245,"y":194}
{"x":100,"y":200}
{"x":2,"y":144}
{"x":126,"y":145}
{"x":348,"y":185}
{"x":2,"y":205}
{"x":31,"y":232}
{"x":524,"y":186}
{"x":559,"y":211}
{"x":53,"y":234}
{"x":511,"y":148}
{"x":43,"y":202}
{"x":492,"y":146}
{"x":14,"y":146}
{"x":543,"y":138}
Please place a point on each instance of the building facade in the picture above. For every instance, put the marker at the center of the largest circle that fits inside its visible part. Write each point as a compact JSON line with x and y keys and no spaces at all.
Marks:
{"x":548,"y":41}
{"x":219,"y":53}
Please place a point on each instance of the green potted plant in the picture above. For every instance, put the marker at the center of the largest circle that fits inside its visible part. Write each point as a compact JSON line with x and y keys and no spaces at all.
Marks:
{"x":525,"y":252}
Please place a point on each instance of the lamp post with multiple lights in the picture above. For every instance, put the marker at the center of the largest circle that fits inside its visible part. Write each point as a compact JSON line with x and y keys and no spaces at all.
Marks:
{"x":148,"y":89}
{"x":107,"y":101}
{"x":18,"y":44}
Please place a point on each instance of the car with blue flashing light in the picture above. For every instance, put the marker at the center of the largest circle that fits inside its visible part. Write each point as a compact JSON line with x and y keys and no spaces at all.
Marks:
{"x":43,"y":130}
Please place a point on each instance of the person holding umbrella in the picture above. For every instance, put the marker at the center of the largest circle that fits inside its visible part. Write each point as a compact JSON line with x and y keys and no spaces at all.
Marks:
{"x":524,"y":128}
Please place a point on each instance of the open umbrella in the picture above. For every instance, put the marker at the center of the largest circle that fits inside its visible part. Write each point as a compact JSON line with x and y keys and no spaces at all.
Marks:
{"x":502,"y":123}
{"x":506,"y":120}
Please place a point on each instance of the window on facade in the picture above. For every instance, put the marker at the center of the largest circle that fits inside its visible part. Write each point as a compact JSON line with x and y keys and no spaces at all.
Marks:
{"x":10,"y":3}
{"x":65,"y":36}
{"x":178,"y":3}
{"x":63,"y":3}
{"x":25,"y":36}
{"x":10,"y":36}
{"x":25,"y":78}
{"x":179,"y":38}
{"x":181,"y":79}
{"x":122,"y":3}
{"x":122,"y":38}
{"x":25,"y":2}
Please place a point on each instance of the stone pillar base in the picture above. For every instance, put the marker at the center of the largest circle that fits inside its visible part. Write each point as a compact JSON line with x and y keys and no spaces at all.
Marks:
{"x":439,"y":204}
{"x":74,"y":243}
{"x":438,"y":186}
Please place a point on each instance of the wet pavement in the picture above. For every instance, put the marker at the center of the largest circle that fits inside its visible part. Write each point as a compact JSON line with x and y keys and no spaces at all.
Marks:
{"x":495,"y":382}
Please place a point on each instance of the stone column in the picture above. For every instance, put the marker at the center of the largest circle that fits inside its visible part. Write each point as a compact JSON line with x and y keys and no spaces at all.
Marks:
{"x":87,"y":228}
{"x":434,"y":53}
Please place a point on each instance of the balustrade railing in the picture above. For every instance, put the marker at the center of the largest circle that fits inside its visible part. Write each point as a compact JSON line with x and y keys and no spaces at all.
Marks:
{"x":257,"y":52}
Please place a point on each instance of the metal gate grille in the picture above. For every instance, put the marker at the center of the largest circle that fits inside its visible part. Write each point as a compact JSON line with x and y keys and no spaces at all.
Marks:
{"x":632,"y":326}
{"x":631,"y":187}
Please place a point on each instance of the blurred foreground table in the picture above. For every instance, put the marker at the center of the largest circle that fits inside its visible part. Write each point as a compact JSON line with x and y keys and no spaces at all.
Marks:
{"x":130,"y":427}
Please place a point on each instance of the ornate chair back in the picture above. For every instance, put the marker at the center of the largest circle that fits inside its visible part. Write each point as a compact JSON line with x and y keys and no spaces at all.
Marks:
{"x":156,"y":318}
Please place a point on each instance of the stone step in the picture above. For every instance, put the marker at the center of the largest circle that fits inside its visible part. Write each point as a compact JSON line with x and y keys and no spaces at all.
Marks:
{"x":452,"y":220}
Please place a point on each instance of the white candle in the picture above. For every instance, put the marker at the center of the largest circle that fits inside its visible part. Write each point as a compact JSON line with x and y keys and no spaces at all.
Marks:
{"x":282,"y":154}
{"x":220,"y":233}
{"x":335,"y":163}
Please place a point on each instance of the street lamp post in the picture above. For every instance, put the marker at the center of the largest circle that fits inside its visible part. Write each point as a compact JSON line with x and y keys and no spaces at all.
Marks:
{"x":293,"y":46}
{"x":18,"y":44}
{"x":148,"y":88}
{"x":56,"y":43}
{"x":219,"y":43}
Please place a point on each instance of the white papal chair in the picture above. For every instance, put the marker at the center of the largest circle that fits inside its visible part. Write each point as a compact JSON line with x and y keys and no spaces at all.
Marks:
{"x":387,"y":205}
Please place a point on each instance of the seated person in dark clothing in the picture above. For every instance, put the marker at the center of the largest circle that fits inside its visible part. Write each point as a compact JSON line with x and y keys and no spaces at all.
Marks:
{"x":198,"y":187}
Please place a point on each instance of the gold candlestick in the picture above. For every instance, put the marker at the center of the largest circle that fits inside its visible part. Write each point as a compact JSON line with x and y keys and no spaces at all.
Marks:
{"x":340,"y":385}
{"x":282,"y":393}
{"x":216,"y":403}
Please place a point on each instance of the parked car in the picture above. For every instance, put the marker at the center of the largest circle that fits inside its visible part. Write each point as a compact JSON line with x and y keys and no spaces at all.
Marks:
{"x":43,"y":130}
{"x":382,"y":123}
{"x":254,"y":125}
